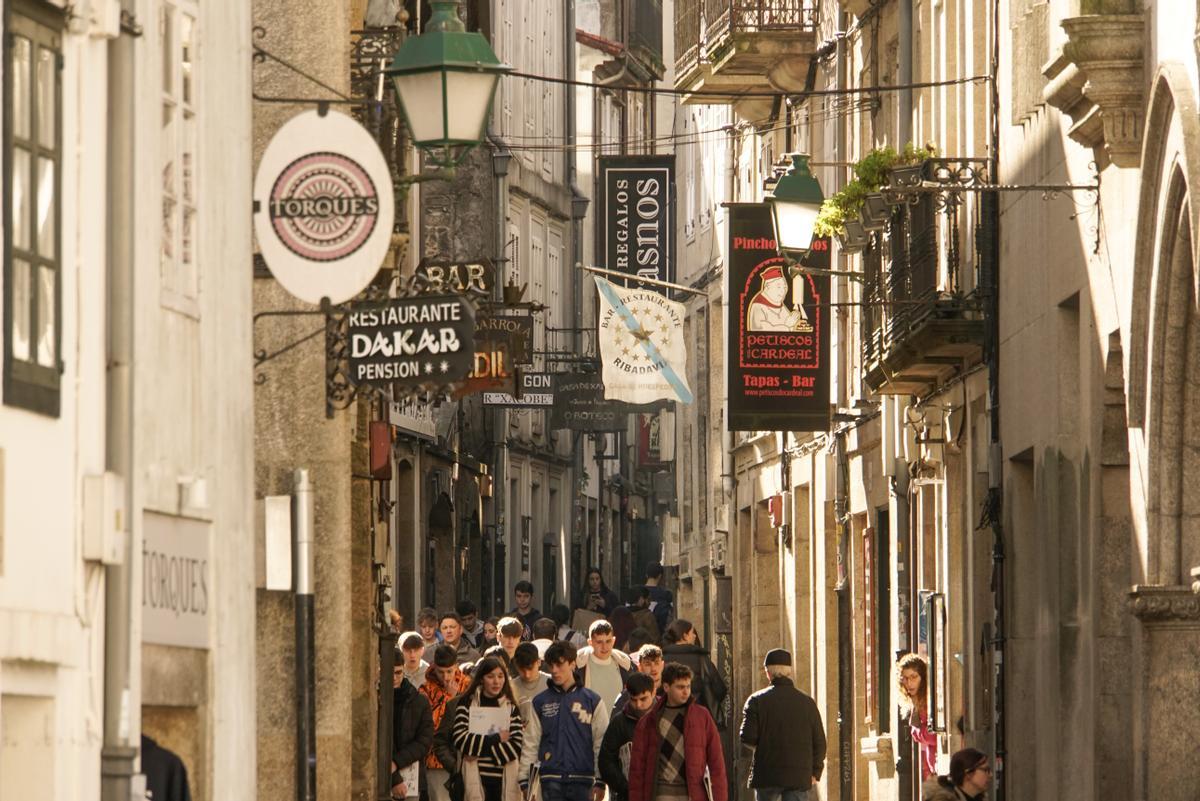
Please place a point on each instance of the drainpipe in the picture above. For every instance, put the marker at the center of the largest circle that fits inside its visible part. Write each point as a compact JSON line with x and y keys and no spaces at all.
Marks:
{"x":306,"y":711}
{"x":500,"y":167}
{"x":904,"y":131}
{"x":121,"y":735}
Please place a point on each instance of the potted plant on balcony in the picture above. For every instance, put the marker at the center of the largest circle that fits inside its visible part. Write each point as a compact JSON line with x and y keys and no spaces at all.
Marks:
{"x":860,"y":206}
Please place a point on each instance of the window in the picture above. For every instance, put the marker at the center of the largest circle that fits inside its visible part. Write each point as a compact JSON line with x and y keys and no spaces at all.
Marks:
{"x":32,"y":258}
{"x":177,"y":252}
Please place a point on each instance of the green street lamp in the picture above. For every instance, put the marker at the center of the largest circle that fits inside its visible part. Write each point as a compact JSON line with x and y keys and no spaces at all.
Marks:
{"x":795,"y":204}
{"x":445,"y":80}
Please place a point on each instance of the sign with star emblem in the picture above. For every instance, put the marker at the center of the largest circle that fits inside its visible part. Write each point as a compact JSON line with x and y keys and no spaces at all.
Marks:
{"x":425,"y":340}
{"x":642,"y":352}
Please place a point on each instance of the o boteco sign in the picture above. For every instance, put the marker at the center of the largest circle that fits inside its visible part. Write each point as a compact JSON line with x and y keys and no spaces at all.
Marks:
{"x":323,"y":207}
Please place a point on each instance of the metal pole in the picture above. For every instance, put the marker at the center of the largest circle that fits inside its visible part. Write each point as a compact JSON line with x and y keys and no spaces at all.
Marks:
{"x":904,"y":131}
{"x":304,"y":569}
{"x":844,"y":624}
{"x":121,"y":739}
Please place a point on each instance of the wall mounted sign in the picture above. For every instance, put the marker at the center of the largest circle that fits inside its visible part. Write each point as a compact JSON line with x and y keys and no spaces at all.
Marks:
{"x":323,"y":207}
{"x":459,"y":278}
{"x":176,"y":580}
{"x":516,"y":330}
{"x":537,"y":392}
{"x":425,"y":340}
{"x":637,"y":220}
{"x":579,"y":405}
{"x":778,"y":330}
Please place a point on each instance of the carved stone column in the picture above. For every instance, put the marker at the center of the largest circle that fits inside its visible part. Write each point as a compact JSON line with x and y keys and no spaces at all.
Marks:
{"x":1165,"y":678}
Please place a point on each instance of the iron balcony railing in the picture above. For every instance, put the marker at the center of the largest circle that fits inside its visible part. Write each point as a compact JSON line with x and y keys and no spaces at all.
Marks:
{"x":702,"y":25}
{"x":371,"y":50}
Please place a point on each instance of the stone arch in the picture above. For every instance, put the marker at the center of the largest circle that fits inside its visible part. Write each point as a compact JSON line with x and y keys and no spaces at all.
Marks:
{"x":1165,"y":328}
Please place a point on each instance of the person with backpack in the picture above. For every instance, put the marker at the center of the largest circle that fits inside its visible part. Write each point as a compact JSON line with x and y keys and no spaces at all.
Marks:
{"x":681,"y":643}
{"x":662,"y":601}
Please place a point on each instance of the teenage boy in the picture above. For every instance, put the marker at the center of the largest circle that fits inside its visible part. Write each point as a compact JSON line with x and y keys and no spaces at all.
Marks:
{"x":508,"y":632}
{"x":524,"y":611}
{"x":601,"y":666}
{"x":451,"y":629}
{"x":545,"y":632}
{"x":472,"y":625}
{"x":427,"y":626}
{"x":662,"y":601}
{"x":618,"y":740}
{"x":649,"y":660}
{"x":412,"y":651}
{"x":530,"y":680}
{"x":443,"y":683}
{"x":563,"y":734}
{"x":674,"y":744}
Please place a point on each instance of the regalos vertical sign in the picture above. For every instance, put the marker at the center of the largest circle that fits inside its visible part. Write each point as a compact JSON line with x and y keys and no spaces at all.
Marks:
{"x":637,"y":219}
{"x":778,"y":329}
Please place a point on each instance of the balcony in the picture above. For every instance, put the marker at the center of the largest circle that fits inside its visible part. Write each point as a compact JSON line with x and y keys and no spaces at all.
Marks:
{"x":922,"y":319}
{"x":743,"y":45}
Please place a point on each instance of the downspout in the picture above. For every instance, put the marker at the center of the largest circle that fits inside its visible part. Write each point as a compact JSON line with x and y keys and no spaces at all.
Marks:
{"x":845,"y":621}
{"x":121,"y":736}
{"x":304,"y":567}
{"x":904,"y":131}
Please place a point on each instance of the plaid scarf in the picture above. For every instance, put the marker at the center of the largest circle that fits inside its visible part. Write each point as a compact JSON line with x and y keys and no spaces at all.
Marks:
{"x":670,"y":749}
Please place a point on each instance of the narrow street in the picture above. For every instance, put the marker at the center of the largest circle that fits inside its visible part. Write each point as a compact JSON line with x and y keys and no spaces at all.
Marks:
{"x":680,"y":400}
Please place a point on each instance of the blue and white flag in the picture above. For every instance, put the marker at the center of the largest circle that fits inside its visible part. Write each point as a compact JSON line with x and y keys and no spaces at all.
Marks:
{"x":642,"y":350}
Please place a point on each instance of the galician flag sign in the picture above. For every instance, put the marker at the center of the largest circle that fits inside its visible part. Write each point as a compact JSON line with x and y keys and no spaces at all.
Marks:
{"x":641,"y":345}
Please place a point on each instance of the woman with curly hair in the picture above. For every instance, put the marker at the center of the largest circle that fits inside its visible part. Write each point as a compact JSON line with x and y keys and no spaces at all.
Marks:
{"x":914,"y":700}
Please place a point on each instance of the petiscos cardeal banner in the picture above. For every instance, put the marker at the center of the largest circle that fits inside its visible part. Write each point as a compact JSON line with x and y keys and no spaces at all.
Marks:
{"x":637,"y":217}
{"x":778,"y":329}
{"x":642,"y":352}
{"x":426,"y":340}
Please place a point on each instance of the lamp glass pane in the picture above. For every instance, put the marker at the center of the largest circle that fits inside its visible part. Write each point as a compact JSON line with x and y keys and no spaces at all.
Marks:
{"x":794,"y":224}
{"x":421,"y":95}
{"x":471,"y":97}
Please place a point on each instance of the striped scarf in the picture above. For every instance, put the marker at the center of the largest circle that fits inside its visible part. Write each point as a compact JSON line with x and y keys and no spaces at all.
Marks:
{"x":670,"y":749}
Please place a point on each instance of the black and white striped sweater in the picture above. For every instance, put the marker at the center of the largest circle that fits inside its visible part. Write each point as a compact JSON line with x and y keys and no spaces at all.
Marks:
{"x":493,"y":754}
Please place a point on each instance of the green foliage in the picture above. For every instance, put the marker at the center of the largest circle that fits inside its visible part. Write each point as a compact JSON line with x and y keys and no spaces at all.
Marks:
{"x":871,"y":173}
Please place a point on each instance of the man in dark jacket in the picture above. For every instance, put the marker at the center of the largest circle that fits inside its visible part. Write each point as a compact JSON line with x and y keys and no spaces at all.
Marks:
{"x":412,"y":729}
{"x":616,"y":747}
{"x":676,"y":752}
{"x":784,"y":727}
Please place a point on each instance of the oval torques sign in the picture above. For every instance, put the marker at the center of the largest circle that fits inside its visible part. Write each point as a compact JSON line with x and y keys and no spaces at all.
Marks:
{"x":324,"y":207}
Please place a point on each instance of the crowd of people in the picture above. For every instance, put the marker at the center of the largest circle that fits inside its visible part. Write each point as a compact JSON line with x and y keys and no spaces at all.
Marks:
{"x":608,"y":699}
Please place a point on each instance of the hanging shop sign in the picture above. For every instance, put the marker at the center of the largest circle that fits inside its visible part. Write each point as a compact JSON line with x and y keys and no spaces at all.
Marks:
{"x":427,"y":340}
{"x":414,"y":417}
{"x":323,"y":207}
{"x":513,"y":329}
{"x":778,"y":329}
{"x":642,"y":351}
{"x":537,"y":392}
{"x":637,"y":223}
{"x":580,"y":405}
{"x":176,"y":580}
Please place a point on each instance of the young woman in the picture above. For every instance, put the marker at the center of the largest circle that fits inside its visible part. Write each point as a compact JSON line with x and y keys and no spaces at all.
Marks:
{"x":490,"y":633}
{"x":913,"y":700}
{"x":681,"y":643}
{"x":970,"y":775}
{"x":489,"y":761}
{"x":597,"y":597}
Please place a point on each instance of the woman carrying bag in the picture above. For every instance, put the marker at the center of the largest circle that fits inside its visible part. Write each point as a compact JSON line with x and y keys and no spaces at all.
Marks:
{"x":490,"y":759}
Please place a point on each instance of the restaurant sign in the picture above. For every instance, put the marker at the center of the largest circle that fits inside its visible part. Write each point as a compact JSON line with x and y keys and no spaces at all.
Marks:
{"x":424,"y":340}
{"x":579,"y":405}
{"x":778,"y":329}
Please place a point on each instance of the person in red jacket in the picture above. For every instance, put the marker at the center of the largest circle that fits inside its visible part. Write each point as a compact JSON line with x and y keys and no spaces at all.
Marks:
{"x":676,"y":753}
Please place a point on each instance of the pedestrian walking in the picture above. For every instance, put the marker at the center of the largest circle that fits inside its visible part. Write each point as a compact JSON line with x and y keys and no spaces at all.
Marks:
{"x":491,"y":633}
{"x":563,"y":734}
{"x":427,"y":625}
{"x":622,"y":624}
{"x":412,"y":728}
{"x":597,"y":597}
{"x":783,"y":726}
{"x":681,"y":643}
{"x":649,"y":661}
{"x":411,"y":649}
{"x":561,"y":615}
{"x":662,"y":600}
{"x":602,"y":667}
{"x":676,"y":754}
{"x":913,"y":699}
{"x":472,"y":625}
{"x":509,"y":634}
{"x":490,"y":747}
{"x":643,"y":615}
{"x":443,"y":682}
{"x":970,"y":775}
{"x":530,"y":679}
{"x":617,"y":745}
{"x":637,"y":638}
{"x":451,"y":629}
{"x":545,"y":631}
{"x":524,"y":610}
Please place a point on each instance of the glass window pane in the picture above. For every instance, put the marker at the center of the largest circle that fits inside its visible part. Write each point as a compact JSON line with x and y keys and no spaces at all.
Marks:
{"x":46,"y":106}
{"x":22,"y":198}
{"x":46,"y":352}
{"x":21,"y":306}
{"x":22,"y":55}
{"x":46,"y":193}
{"x":186,"y":52}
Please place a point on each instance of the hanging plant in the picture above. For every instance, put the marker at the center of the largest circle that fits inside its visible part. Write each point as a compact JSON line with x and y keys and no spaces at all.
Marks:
{"x":870,"y":174}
